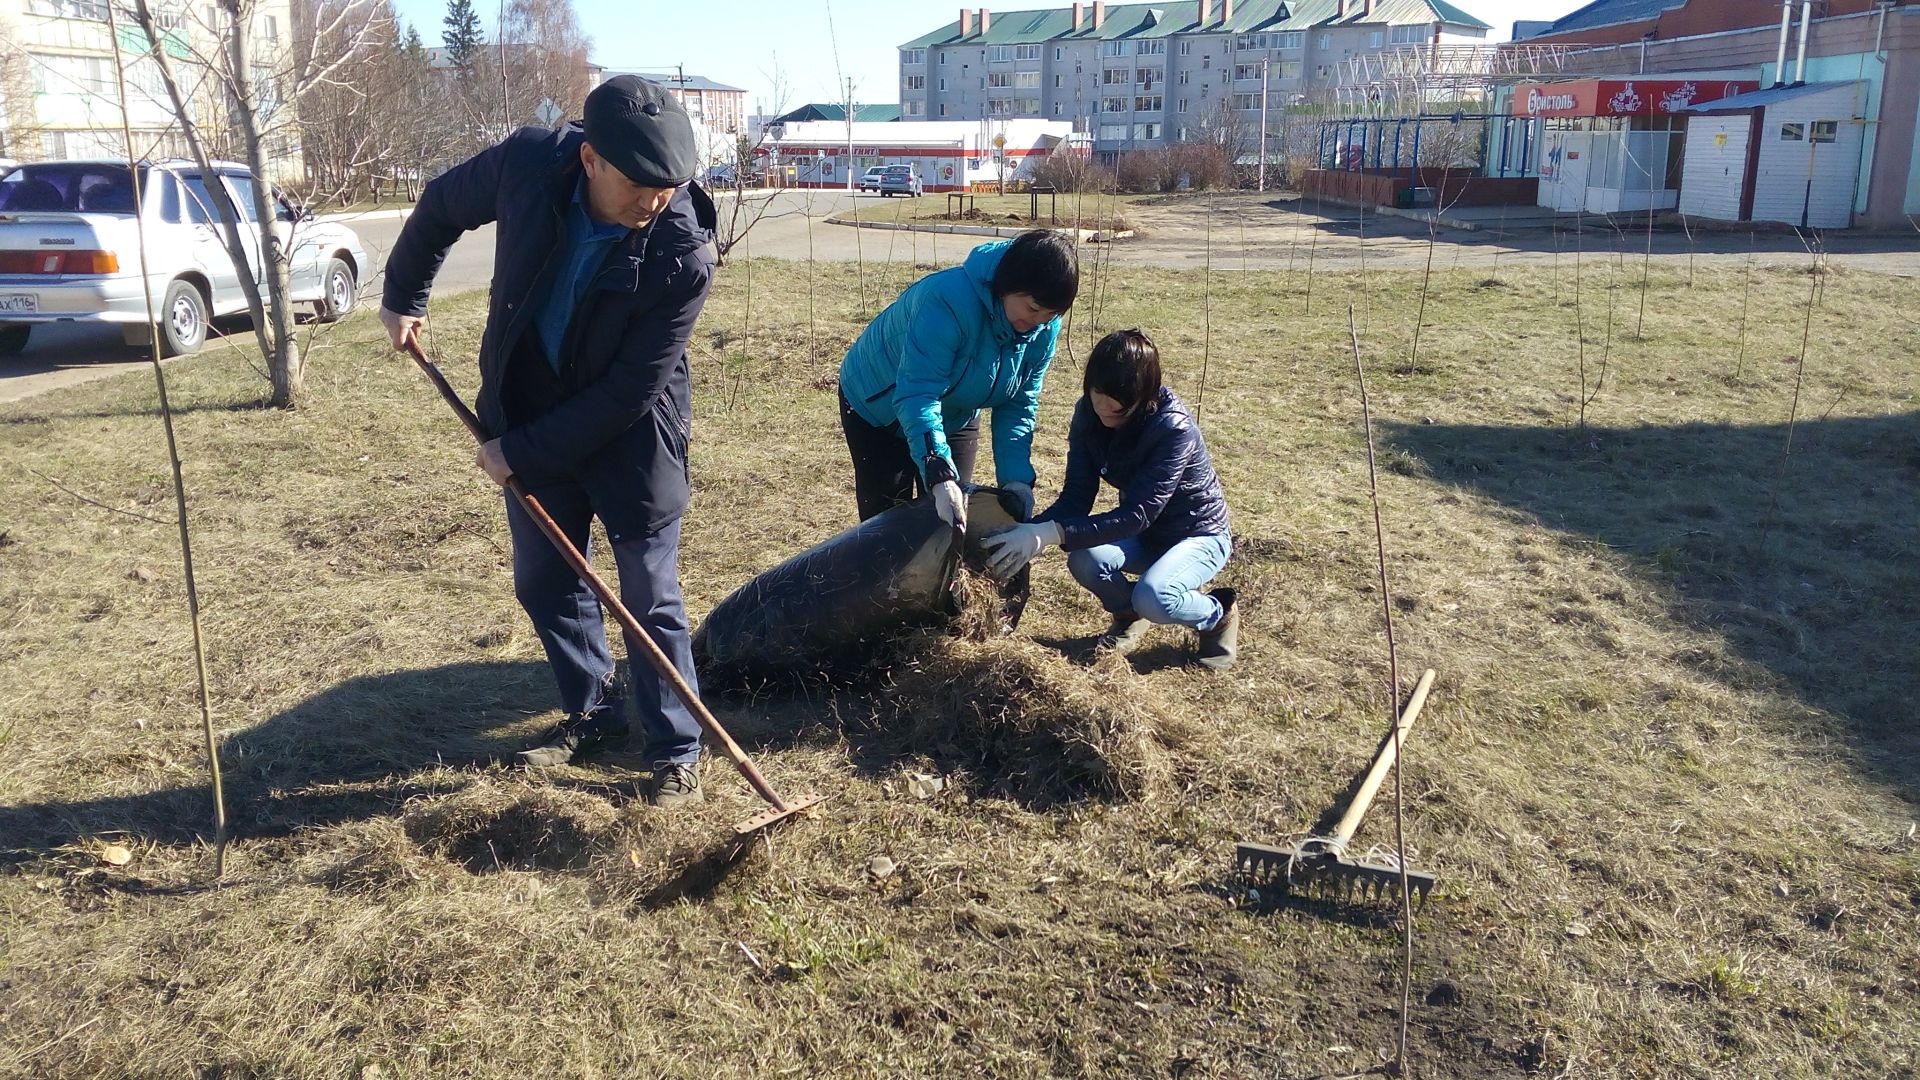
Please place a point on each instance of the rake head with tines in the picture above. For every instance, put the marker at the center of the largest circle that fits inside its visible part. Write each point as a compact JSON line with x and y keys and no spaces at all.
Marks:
{"x":1318,"y":865}
{"x":1316,"y":868}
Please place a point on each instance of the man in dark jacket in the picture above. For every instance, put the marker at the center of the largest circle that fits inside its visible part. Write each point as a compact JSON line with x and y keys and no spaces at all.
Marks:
{"x":601,"y":265}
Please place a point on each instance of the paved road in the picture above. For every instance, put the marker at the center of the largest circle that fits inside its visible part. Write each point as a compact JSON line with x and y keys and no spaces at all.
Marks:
{"x":1256,"y":232}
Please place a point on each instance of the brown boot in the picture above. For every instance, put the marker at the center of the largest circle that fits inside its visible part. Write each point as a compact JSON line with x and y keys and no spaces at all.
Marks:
{"x":1220,"y":646}
{"x":1123,"y":635}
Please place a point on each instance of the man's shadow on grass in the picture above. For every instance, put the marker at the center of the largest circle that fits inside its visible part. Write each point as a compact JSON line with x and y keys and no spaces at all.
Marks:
{"x":355,"y":750}
{"x":1813,"y":575}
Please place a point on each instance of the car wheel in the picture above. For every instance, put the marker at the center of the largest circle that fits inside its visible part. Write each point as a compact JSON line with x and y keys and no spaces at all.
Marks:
{"x":339,"y":292}
{"x":13,"y":339}
{"x":183,"y":320}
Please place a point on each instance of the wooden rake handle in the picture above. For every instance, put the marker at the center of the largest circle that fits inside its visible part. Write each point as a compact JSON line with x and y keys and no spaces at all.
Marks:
{"x":1382,"y":763}
{"x":635,"y":632}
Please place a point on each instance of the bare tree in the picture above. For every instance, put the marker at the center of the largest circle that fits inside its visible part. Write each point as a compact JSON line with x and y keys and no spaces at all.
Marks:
{"x":1224,"y":126}
{"x":742,"y":209}
{"x":19,"y":123}
{"x":259,"y":83}
{"x":546,"y":55}
{"x":347,"y":140}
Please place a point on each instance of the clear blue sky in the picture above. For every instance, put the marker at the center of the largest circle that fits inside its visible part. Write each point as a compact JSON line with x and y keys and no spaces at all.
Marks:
{"x":737,"y":42}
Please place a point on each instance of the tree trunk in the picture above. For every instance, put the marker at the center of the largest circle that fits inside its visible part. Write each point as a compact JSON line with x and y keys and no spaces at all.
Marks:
{"x":286,"y":367}
{"x":230,"y":225}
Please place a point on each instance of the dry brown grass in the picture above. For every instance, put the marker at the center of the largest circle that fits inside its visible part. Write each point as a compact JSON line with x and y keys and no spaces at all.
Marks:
{"x":1029,"y":723}
{"x":1667,"y":779}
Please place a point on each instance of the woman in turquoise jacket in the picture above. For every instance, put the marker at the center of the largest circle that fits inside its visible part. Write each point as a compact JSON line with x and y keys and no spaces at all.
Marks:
{"x":975,"y":336}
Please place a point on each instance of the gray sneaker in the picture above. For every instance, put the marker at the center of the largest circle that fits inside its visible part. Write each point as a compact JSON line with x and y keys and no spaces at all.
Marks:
{"x":1123,"y":635}
{"x":1220,"y":646}
{"x":674,"y":784}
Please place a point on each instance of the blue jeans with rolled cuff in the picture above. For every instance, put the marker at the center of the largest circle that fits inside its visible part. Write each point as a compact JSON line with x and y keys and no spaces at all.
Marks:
{"x":567,"y":617}
{"x":1170,"y":577}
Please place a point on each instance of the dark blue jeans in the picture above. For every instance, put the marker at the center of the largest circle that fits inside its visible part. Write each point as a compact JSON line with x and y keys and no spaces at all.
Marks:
{"x":567,"y":616}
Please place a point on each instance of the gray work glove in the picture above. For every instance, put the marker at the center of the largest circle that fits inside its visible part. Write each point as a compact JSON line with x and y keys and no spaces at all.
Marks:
{"x":950,"y":503}
{"x":1010,"y":549}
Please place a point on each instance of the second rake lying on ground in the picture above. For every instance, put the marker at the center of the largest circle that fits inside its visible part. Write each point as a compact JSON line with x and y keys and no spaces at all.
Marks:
{"x":637,"y":637}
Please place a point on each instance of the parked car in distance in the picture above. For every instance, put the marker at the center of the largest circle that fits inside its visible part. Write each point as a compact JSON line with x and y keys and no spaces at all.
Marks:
{"x":870,"y":180}
{"x":899,"y":180}
{"x":70,"y":250}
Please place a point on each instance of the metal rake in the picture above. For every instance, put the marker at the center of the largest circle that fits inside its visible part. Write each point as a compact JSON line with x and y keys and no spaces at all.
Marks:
{"x":1318,"y":865}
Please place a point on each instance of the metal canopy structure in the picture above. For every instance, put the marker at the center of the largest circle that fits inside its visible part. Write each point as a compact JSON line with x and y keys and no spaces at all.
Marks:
{"x":1415,"y":79}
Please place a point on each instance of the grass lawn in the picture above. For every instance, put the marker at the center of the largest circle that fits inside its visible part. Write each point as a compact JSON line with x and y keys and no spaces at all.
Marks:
{"x":1667,"y":779}
{"x":1089,"y":210}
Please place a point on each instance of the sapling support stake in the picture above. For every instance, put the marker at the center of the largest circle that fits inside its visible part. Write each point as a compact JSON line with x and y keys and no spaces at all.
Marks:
{"x":1579,"y":319}
{"x":893,"y":234}
{"x":746,"y":325}
{"x":1746,"y":294}
{"x":1313,"y":249}
{"x":173,"y":460}
{"x":1793,"y":409}
{"x":859,"y":254}
{"x":1293,"y":243}
{"x":1498,"y":237}
{"x":1366,"y":294}
{"x":1393,"y":706}
{"x":1078,"y":196}
{"x":1556,"y":260}
{"x":1646,"y":271}
{"x":813,"y":329}
{"x":1606,"y":348}
{"x":1206,"y":314}
{"x":1688,"y":227}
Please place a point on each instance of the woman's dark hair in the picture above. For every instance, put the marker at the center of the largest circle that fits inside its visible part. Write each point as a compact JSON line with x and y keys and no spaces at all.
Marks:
{"x":1125,"y":366}
{"x":1042,"y":264}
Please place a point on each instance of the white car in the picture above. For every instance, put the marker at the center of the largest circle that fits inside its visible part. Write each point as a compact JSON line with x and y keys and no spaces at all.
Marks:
{"x":69,"y":250}
{"x":870,"y":180}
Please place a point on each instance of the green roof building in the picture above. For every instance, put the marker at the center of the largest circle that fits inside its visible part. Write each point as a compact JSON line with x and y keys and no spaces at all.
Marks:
{"x":1143,"y":75}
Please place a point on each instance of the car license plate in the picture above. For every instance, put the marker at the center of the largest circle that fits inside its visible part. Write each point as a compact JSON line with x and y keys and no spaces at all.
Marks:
{"x":19,"y":303}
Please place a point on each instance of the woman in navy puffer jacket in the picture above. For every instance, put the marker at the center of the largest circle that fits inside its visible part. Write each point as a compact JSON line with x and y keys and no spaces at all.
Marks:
{"x":1170,"y":526}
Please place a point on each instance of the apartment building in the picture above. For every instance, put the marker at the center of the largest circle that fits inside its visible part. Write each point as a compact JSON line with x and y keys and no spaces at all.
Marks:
{"x":721,"y":107}
{"x":59,"y":98}
{"x":1142,"y":75}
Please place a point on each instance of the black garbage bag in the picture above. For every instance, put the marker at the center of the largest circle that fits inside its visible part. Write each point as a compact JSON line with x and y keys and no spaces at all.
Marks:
{"x":819,"y":611}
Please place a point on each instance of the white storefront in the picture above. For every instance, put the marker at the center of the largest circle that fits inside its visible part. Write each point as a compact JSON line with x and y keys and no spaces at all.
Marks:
{"x":1607,"y":146}
{"x":947,"y":155}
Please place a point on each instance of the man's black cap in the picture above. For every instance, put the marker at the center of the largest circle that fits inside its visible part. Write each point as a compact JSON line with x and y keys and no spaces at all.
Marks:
{"x":639,"y":127}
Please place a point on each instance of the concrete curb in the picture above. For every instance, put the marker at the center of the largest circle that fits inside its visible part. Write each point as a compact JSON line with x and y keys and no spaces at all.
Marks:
{"x":1446,"y":221}
{"x":367,"y":215}
{"x":1086,"y":236}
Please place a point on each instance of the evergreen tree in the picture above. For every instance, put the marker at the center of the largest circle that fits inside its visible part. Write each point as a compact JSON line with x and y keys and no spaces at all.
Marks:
{"x":463,"y":37}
